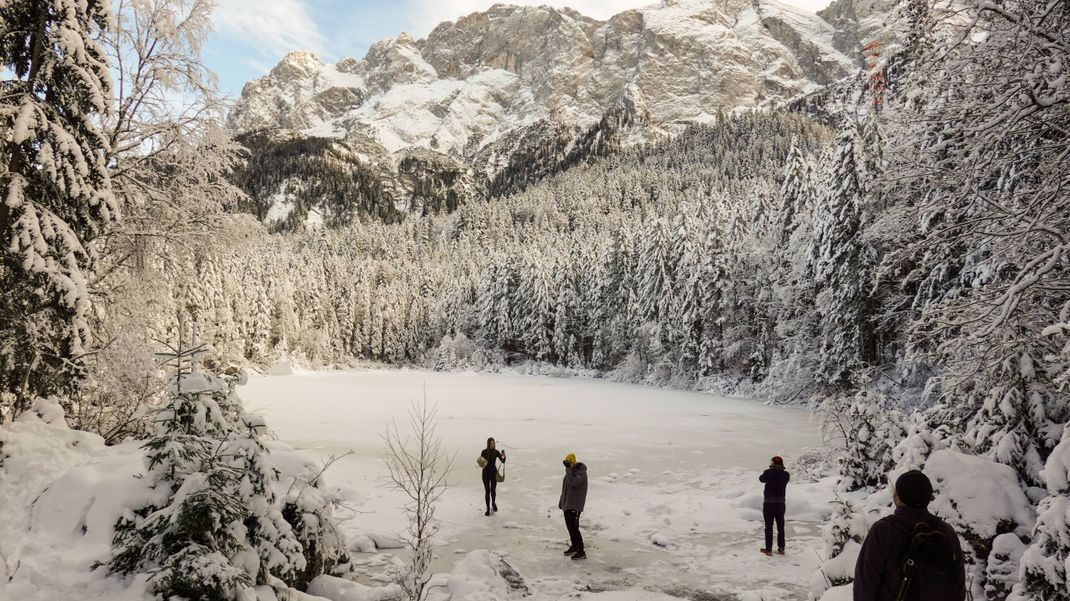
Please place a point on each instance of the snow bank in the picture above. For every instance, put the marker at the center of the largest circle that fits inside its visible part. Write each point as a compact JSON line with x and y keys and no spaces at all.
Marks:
{"x":839,"y":593}
{"x":635,"y":594}
{"x":338,"y":589}
{"x":978,"y":496}
{"x":62,"y":492}
{"x":477,"y":577}
{"x":282,"y":367}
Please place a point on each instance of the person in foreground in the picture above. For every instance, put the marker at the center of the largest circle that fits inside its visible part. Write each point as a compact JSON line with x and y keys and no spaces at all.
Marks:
{"x":488,"y":461}
{"x":776,"y":484}
{"x":911,"y":555}
{"x":573,"y":499}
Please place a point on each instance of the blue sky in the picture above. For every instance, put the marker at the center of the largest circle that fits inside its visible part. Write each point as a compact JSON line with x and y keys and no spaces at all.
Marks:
{"x":250,"y":37}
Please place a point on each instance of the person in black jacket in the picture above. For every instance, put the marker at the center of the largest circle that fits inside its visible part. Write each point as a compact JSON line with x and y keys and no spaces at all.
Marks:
{"x":488,"y":460}
{"x":776,"y":484}
{"x":936,"y":570}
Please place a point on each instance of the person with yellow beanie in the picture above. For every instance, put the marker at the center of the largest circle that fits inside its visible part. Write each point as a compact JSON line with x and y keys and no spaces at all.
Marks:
{"x":572,"y":503}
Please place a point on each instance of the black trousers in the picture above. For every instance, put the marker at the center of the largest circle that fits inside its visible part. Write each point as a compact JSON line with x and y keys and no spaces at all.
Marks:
{"x":774,"y":512}
{"x":572,"y":522}
{"x":490,"y":487}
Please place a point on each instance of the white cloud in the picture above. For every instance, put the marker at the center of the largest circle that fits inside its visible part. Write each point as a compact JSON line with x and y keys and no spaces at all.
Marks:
{"x":274,"y":27}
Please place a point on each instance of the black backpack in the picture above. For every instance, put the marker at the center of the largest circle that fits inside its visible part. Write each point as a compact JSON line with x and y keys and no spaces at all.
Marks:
{"x":929,"y":565}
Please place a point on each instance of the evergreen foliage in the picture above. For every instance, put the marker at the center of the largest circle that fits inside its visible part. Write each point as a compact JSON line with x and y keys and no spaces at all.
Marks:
{"x":56,"y":190}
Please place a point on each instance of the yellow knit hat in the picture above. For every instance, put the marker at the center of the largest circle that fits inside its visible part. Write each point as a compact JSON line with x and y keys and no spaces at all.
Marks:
{"x":571,"y":458}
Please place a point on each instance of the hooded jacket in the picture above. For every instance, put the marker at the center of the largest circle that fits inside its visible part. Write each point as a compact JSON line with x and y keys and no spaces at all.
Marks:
{"x":574,"y":489}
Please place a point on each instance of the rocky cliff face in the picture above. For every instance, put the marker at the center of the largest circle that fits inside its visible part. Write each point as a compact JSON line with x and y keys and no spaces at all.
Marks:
{"x":549,"y":84}
{"x":855,"y":22}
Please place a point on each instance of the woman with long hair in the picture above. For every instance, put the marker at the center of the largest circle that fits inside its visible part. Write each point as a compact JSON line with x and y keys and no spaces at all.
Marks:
{"x":488,"y":460}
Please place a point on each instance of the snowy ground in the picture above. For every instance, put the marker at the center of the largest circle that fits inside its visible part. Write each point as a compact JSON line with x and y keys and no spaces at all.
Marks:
{"x":674,"y":502}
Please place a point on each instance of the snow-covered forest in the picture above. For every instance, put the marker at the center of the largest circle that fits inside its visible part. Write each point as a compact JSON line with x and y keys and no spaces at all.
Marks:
{"x":892,"y":251}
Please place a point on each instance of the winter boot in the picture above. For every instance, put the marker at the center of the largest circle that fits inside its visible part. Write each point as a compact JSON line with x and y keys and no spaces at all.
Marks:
{"x":495,"y":508}
{"x":570,"y":551}
{"x":765,"y":551}
{"x":579,"y":555}
{"x":780,"y":551}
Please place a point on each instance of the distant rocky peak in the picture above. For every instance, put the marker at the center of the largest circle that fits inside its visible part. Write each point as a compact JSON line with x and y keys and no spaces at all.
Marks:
{"x":299,"y":64}
{"x":475,"y":80}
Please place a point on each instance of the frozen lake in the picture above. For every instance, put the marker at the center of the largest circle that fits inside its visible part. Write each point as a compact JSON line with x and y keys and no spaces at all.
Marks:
{"x":674,"y":501}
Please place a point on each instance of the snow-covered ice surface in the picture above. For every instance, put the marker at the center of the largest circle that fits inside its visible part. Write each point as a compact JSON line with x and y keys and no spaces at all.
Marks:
{"x":673,"y":509}
{"x":674,"y":503}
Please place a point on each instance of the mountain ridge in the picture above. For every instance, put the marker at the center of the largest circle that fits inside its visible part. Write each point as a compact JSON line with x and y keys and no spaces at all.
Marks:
{"x":549,"y":81}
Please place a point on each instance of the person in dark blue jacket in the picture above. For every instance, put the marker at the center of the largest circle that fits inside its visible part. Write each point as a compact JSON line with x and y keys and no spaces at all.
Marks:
{"x":776,"y":484}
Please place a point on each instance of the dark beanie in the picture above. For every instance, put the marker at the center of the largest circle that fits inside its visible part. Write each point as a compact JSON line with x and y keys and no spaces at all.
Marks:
{"x":778,"y":460}
{"x":914,"y":489}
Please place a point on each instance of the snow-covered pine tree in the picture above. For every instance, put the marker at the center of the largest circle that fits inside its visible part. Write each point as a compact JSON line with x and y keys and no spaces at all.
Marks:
{"x":565,"y":322}
{"x":867,"y":428}
{"x":841,"y":528}
{"x":187,"y":534}
{"x":920,"y":440}
{"x":277,"y":550}
{"x":843,"y":265}
{"x":1044,"y":565}
{"x":712,"y":301}
{"x":842,"y":535}
{"x":536,"y":295}
{"x":1014,"y":424}
{"x":1003,"y":566}
{"x":793,"y":197}
{"x":687,"y":308}
{"x":56,"y":189}
{"x":655,"y":270}
{"x":309,"y":509}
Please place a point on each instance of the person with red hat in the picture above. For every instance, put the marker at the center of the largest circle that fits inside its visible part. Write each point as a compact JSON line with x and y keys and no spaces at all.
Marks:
{"x":776,"y":484}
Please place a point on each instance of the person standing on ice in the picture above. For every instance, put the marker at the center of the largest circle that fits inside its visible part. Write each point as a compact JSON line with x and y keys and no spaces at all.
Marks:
{"x":776,"y":484}
{"x":488,"y":460}
{"x":573,"y":500}
{"x":912,"y":554}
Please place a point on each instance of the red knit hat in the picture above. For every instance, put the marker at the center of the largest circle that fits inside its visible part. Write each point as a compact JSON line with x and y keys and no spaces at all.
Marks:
{"x":777,"y":459}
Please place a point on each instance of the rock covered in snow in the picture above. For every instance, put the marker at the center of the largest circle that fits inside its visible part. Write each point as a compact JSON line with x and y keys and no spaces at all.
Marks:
{"x":977,"y":496}
{"x":338,"y":589}
{"x":839,"y":593}
{"x":475,"y":79}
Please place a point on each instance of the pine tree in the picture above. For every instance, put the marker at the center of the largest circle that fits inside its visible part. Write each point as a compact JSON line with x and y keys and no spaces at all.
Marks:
{"x":536,"y":297}
{"x":55,"y":185}
{"x":187,"y":536}
{"x":267,"y":531}
{"x":794,"y":195}
{"x":1015,"y":424}
{"x":712,"y":302}
{"x":869,"y":430}
{"x":843,"y":266}
{"x":1044,"y":572}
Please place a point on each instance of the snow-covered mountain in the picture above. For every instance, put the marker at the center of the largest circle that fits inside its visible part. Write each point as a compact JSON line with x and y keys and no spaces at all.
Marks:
{"x":549,"y":85}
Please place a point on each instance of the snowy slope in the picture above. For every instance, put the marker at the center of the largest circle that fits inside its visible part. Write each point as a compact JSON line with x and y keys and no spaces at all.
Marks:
{"x":489,"y":73}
